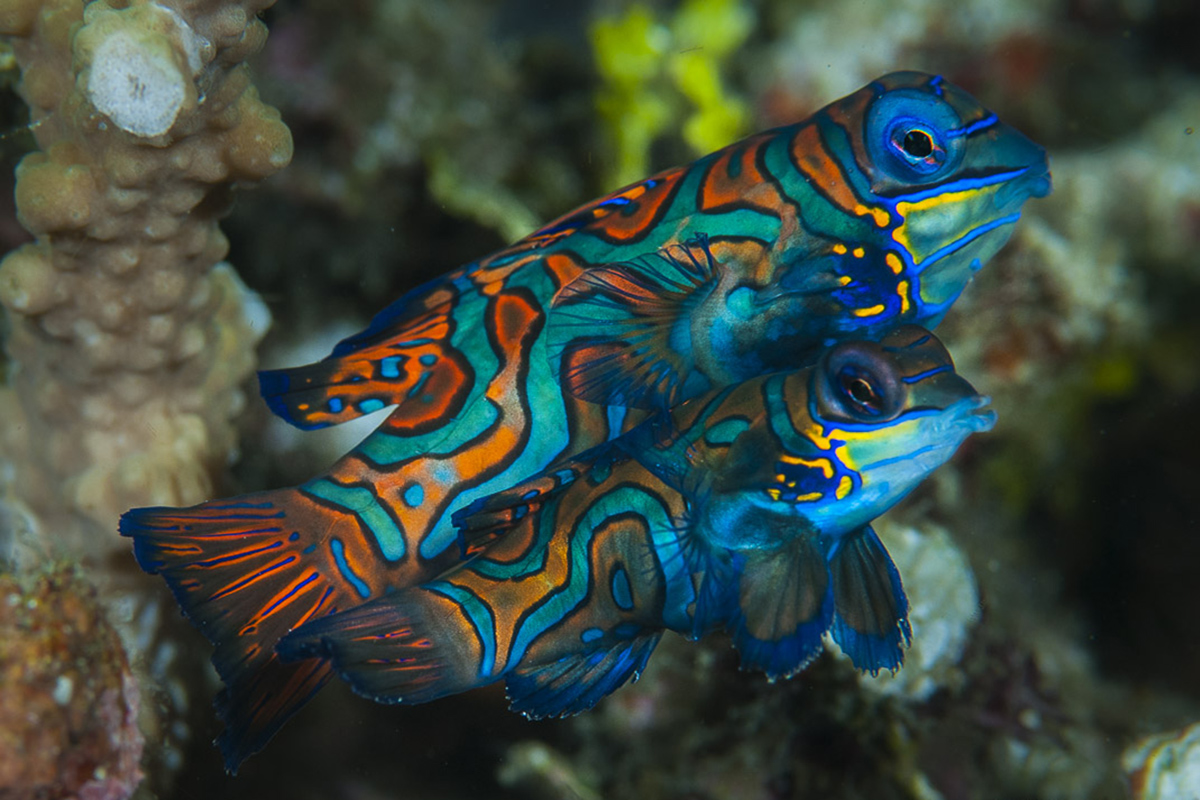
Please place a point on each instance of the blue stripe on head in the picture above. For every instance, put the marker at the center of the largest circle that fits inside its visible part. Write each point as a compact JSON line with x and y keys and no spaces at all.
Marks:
{"x":983,"y":124}
{"x":960,"y":185}
{"x":920,"y":376}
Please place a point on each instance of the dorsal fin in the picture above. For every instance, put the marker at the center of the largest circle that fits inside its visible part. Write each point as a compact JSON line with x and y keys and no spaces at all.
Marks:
{"x":411,"y":365}
{"x":487,"y":518}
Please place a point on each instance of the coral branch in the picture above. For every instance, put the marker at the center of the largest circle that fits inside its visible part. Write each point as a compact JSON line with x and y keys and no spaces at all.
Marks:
{"x":128,"y":339}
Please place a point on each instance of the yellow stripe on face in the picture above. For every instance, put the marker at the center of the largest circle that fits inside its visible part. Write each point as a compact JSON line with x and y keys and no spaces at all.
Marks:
{"x":949,"y":232}
{"x":902,"y":290}
{"x":844,"y":487}
{"x":823,"y":464}
{"x":870,"y":312}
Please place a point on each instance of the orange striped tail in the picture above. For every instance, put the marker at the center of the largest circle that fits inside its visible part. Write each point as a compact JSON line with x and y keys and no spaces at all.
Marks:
{"x":244,"y":576}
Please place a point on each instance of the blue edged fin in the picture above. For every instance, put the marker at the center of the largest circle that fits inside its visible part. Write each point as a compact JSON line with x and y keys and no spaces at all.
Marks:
{"x":385,"y":649}
{"x":620,"y":335}
{"x":870,"y":621}
{"x":783,"y":608}
{"x":411,"y":366}
{"x":243,"y":578}
{"x":577,"y":682}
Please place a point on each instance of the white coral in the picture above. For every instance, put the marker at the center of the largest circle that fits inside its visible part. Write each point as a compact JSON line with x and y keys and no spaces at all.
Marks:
{"x":138,"y":65}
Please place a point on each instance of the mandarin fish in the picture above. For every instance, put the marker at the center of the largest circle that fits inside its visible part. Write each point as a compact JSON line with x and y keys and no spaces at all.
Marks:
{"x":873,"y":212}
{"x":746,"y":509}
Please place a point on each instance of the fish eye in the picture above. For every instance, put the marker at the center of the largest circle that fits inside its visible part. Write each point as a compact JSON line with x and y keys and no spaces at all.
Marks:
{"x":918,"y":146}
{"x":910,"y":136}
{"x":862,"y":393}
{"x":918,"y":143}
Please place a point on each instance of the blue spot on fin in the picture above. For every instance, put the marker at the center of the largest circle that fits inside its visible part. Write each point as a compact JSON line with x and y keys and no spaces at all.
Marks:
{"x":870,"y":621}
{"x":577,"y":682}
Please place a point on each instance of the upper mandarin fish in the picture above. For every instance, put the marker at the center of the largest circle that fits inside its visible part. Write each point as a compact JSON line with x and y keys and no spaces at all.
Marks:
{"x":745,"y":509}
{"x":873,"y":212}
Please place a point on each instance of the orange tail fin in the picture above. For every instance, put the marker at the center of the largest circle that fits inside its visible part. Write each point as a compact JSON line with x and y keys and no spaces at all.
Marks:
{"x":245,"y":576}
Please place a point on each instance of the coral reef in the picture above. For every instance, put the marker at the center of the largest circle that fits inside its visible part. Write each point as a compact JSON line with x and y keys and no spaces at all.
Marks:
{"x":127,"y":346}
{"x":68,"y":712}
{"x":646,"y":64}
{"x":1165,"y":766}
{"x":127,"y":341}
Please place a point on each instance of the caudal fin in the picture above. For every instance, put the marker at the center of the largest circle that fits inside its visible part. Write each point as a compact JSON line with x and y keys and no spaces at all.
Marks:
{"x":245,"y":572}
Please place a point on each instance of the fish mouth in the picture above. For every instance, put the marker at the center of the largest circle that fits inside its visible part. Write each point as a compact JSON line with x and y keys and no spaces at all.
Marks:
{"x":973,"y":412}
{"x":1035,"y":182}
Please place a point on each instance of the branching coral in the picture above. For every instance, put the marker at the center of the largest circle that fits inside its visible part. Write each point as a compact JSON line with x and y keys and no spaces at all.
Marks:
{"x":128,"y":345}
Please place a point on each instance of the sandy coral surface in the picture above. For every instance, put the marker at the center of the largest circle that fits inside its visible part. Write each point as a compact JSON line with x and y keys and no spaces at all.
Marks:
{"x":69,"y":709}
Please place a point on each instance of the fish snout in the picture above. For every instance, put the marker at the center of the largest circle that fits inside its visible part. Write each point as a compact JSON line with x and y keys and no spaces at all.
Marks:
{"x":1034,"y":181}
{"x":976,"y":414}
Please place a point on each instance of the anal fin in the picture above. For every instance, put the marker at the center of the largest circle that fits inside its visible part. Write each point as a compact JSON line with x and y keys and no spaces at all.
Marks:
{"x":394,"y":649}
{"x":577,"y":682}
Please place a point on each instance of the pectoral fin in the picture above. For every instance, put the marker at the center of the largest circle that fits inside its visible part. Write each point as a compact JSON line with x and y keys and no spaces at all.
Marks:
{"x":620,"y":335}
{"x":577,"y":682}
{"x":484,"y":520}
{"x":784,"y":606}
{"x":870,"y":621}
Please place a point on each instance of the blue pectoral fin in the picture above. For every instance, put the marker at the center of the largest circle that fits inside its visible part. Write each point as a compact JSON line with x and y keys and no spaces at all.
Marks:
{"x":784,"y":607}
{"x":870,"y":621}
{"x":577,"y":682}
{"x":388,"y":650}
{"x":619,"y":333}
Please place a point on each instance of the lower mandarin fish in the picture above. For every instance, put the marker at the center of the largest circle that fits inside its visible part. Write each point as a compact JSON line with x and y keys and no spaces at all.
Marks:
{"x":746,"y":509}
{"x":874,"y":212}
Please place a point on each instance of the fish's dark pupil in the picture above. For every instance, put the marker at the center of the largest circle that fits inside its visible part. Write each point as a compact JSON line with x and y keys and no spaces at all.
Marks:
{"x":862,"y":392}
{"x":918,"y":143}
